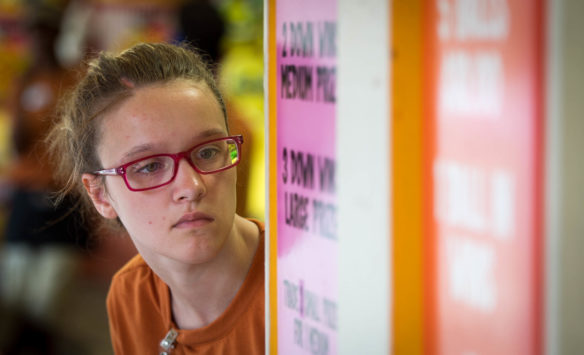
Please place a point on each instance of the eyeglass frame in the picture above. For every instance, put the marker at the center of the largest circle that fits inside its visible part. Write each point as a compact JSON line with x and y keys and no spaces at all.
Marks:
{"x":176,"y":157}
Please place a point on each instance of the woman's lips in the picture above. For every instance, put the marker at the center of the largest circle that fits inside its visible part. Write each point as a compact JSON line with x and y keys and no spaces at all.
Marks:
{"x":195,"y":219}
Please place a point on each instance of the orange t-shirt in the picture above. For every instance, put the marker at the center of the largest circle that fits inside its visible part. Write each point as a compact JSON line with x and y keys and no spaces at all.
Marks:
{"x":140,"y":314}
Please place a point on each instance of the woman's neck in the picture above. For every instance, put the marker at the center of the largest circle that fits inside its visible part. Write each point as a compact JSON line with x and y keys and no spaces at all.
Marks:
{"x":201,"y":293}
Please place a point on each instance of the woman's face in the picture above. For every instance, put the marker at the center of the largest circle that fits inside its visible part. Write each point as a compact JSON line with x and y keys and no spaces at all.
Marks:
{"x":189,"y":219}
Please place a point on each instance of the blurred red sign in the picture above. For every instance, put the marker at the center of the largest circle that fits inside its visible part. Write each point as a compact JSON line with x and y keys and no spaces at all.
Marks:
{"x":483,"y":176}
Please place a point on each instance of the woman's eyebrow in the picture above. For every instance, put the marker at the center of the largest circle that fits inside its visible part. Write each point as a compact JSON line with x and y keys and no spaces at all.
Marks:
{"x":211,"y":132}
{"x":149,"y":147}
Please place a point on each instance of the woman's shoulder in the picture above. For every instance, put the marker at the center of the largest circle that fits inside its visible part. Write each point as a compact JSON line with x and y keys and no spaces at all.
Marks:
{"x":134,"y":277}
{"x":135,"y":265}
{"x":137,"y":296}
{"x":135,"y":287}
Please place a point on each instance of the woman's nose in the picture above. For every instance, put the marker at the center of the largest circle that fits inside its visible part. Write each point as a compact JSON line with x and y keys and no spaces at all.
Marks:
{"x":188,"y":184}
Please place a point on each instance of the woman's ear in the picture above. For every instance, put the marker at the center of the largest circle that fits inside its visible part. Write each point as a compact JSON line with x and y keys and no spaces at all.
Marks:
{"x":96,"y":191}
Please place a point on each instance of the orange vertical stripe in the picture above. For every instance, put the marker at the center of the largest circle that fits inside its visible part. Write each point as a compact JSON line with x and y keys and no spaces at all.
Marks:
{"x":428,"y":131}
{"x":406,"y":91}
{"x":272,"y":170}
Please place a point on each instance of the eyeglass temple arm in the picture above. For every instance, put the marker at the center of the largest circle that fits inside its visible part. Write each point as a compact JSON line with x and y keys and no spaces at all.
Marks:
{"x":113,"y":171}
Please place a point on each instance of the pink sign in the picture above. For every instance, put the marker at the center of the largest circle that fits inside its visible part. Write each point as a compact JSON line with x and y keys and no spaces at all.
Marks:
{"x":306,"y":229}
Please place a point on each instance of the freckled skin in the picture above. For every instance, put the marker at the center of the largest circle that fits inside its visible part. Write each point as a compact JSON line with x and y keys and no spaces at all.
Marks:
{"x":150,"y":216}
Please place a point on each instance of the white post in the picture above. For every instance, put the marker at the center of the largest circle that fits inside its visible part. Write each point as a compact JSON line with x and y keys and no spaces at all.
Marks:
{"x":364,"y":177}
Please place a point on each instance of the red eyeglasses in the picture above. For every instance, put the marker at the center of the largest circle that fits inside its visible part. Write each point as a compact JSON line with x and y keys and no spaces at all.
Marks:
{"x":158,"y":170}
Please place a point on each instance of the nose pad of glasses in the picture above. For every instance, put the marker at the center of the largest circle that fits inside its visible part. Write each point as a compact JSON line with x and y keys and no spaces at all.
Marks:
{"x":195,"y":188}
{"x":191,"y":164}
{"x":194,"y":172}
{"x":189,"y":161}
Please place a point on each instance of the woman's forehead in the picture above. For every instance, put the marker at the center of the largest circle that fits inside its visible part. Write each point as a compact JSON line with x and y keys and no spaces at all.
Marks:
{"x":164,"y":116}
{"x":159,"y":103}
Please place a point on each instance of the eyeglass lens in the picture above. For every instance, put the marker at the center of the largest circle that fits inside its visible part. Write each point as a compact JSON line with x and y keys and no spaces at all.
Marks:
{"x":159,"y":170}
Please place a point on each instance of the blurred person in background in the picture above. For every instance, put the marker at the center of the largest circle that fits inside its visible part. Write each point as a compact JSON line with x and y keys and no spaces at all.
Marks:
{"x":144,"y":141}
{"x":42,"y":243}
{"x":201,"y":24}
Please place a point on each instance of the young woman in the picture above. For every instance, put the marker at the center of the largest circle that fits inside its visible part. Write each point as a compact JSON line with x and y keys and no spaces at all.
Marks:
{"x":144,"y":137}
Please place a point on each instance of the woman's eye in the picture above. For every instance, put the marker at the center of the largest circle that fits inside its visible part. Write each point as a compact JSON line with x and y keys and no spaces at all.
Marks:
{"x":148,"y":168}
{"x":151,"y":167}
{"x":207,"y":153}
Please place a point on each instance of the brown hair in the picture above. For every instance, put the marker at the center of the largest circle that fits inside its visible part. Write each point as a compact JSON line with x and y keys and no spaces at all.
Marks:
{"x":109,"y":80}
